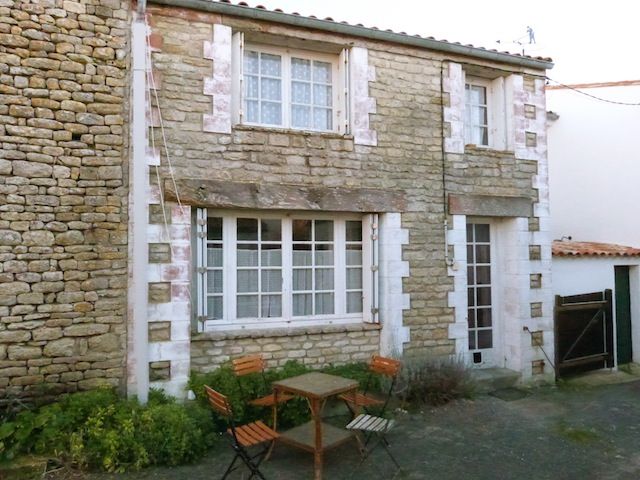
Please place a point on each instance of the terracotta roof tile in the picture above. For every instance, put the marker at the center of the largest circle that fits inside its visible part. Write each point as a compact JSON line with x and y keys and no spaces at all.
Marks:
{"x":563,"y":248}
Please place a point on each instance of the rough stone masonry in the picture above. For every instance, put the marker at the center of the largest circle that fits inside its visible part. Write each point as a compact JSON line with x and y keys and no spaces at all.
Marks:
{"x":63,"y":191}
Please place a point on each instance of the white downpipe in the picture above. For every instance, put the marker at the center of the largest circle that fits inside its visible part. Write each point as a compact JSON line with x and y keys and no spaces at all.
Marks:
{"x":138,"y":351}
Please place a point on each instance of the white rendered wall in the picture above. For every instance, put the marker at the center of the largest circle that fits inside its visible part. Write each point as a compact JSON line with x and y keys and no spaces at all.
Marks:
{"x":594,"y":165}
{"x":573,"y":276}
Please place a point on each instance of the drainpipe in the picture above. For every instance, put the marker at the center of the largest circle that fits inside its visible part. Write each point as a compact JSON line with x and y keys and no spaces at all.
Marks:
{"x":138,"y":346}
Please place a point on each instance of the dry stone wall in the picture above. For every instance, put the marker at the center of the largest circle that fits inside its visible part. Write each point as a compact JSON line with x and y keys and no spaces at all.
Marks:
{"x":63,"y":195}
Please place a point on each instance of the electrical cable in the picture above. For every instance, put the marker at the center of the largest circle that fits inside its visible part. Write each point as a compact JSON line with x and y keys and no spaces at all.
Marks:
{"x":600,"y":99}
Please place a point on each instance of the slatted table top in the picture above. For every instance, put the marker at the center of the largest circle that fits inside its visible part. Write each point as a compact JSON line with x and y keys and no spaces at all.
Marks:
{"x":316,"y":385}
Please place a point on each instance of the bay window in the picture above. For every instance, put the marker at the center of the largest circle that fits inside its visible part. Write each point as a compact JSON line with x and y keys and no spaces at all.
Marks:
{"x":266,"y":270}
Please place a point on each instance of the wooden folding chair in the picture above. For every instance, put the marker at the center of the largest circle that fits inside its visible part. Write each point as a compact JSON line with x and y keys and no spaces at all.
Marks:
{"x":255,"y":364}
{"x":371,"y":426}
{"x":380,"y":366}
{"x":243,"y":437}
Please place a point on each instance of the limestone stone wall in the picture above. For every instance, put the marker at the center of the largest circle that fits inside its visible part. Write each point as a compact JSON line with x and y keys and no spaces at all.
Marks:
{"x":407,"y":158}
{"x":63,"y":195}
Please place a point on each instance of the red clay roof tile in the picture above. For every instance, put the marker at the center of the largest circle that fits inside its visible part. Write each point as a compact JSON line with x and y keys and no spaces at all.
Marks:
{"x":563,"y":248}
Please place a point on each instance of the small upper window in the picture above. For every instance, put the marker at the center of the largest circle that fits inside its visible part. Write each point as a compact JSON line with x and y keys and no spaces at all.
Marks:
{"x":476,"y":120}
{"x":289,"y":89}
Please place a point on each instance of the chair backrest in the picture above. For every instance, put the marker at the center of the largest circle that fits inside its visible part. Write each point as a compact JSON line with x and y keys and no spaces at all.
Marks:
{"x":388,"y":367}
{"x":385,"y":366}
{"x":219,"y":402}
{"x":248,"y":364}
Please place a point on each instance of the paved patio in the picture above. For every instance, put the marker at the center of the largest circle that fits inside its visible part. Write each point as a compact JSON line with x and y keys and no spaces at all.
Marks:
{"x":570,"y":432}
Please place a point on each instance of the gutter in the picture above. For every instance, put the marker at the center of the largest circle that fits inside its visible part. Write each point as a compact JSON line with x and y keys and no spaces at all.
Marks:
{"x":357,"y":31}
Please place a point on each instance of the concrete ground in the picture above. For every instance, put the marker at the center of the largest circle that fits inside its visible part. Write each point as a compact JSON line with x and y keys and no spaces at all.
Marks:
{"x":567,"y":432}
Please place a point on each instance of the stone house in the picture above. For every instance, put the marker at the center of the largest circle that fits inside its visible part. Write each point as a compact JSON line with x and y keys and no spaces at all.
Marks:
{"x":321,"y":191}
{"x":185,"y":181}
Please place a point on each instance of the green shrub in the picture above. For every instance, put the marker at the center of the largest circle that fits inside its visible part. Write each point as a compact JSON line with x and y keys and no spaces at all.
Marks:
{"x":436,"y":380}
{"x":99,"y":430}
{"x":294,"y":412}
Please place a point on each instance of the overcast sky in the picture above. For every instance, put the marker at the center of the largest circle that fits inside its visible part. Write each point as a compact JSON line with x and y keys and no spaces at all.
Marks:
{"x":588,"y":41}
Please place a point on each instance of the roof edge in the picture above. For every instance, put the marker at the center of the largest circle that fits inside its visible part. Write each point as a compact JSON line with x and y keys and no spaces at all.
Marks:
{"x":357,"y":31}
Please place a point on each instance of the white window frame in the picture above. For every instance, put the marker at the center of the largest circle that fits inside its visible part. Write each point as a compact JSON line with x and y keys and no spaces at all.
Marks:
{"x":486,"y":84}
{"x":338,"y":86}
{"x":229,"y":322}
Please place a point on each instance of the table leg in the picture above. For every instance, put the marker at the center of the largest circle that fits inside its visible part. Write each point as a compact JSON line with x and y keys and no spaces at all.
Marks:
{"x":317,"y":454}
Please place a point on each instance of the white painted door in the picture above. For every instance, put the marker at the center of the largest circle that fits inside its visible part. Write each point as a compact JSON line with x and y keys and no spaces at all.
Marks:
{"x":481,"y":318}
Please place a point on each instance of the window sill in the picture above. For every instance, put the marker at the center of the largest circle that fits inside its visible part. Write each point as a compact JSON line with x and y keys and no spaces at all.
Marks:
{"x":292,"y":131}
{"x":472,"y":148}
{"x":285,"y":332}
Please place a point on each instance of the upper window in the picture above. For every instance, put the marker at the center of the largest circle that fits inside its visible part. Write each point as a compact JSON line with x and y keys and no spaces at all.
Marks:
{"x":476,"y":119}
{"x":273,"y":269}
{"x":289,"y":89}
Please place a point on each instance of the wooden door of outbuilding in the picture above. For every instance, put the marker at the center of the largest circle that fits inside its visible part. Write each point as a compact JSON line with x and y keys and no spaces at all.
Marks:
{"x":583,"y":332}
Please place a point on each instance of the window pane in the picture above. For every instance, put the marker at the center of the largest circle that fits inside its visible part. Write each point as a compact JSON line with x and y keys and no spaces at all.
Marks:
{"x":270,"y":89}
{"x":354,"y":278}
{"x":324,"y":231}
{"x":214,"y":308}
{"x":471,"y":298}
{"x":324,"y":279}
{"x":354,"y":231}
{"x":247,"y":229}
{"x":271,"y":306}
{"x":302,"y":230}
{"x":300,"y":116}
{"x":354,"y":255}
{"x":302,"y":279}
{"x":482,"y":232}
{"x":271,"y":256}
{"x":485,"y":339}
{"x":484,"y":317}
{"x":271,"y":113}
{"x":324,"y":303}
{"x":321,"y":72}
{"x":302,"y":255}
{"x":252,"y":111}
{"x":302,"y":304}
{"x":471,"y":318}
{"x":321,"y":95}
{"x":252,"y":86}
{"x":483,"y":254}
{"x":481,"y":114}
{"x":270,"y":230}
{"x":324,"y":255}
{"x":247,"y":306}
{"x":322,"y":119}
{"x":354,"y":302}
{"x":470,"y":257}
{"x":300,"y":69}
{"x":251,"y":62}
{"x":270,"y":64}
{"x":469,"y":232}
{"x":271,"y":280}
{"x":301,"y":93}
{"x":483,"y":275}
{"x":472,"y":340}
{"x":471,"y":277}
{"x":247,"y":281}
{"x":484,"y":296}
{"x":248,"y":255}
{"x":214,"y":281}
{"x":214,"y":228}
{"x":214,"y":255}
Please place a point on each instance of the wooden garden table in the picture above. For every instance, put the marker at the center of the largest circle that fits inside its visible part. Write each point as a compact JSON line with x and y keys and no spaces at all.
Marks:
{"x":315,"y":436}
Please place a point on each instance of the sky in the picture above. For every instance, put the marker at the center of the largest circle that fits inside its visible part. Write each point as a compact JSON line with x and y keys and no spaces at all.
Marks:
{"x":588,"y":41}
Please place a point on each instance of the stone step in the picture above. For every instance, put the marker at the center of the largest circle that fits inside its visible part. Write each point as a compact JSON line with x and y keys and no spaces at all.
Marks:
{"x":491,"y":379}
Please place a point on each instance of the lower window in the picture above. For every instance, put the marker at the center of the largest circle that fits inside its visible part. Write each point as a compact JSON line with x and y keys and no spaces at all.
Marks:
{"x":264,"y":270}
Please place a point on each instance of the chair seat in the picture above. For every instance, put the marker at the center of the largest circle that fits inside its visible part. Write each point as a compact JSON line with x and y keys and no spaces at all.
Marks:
{"x":254,"y":434}
{"x":370,"y":423}
{"x":360,"y":400}
{"x":269,"y":400}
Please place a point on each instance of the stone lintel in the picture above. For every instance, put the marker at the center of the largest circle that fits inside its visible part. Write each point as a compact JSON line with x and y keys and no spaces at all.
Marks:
{"x":490,"y":206}
{"x":224,"y":194}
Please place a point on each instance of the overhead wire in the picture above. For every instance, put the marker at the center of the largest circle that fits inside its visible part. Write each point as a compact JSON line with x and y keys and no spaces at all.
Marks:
{"x":594,"y":97}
